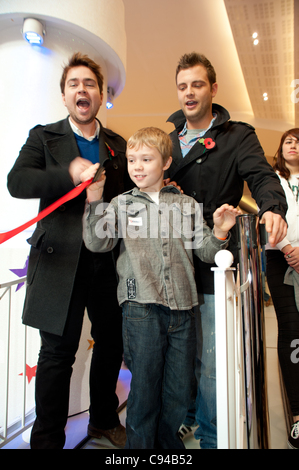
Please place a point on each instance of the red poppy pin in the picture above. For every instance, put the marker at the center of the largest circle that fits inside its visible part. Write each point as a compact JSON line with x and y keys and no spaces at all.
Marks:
{"x":110,"y":151}
{"x":208,"y":143}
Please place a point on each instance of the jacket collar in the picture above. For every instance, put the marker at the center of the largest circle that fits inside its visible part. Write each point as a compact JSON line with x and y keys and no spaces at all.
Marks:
{"x":62,"y":144}
{"x":166,"y":189}
{"x":178,"y":118}
{"x":198,"y":151}
{"x":59,"y":128}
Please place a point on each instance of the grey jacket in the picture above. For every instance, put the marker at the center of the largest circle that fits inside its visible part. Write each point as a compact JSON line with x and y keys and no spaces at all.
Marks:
{"x":155,"y":264}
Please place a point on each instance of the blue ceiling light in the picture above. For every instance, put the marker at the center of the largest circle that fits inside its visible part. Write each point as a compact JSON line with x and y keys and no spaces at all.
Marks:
{"x":33,"y":31}
{"x":110,"y":97}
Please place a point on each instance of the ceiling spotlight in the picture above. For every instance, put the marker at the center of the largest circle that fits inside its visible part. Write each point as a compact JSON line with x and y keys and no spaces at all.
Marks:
{"x":110,"y":97}
{"x":256,"y":41}
{"x":265,"y":95}
{"x":33,"y":31}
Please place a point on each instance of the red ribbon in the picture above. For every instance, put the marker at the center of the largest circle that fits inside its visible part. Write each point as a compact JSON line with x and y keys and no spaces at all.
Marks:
{"x":67,"y":197}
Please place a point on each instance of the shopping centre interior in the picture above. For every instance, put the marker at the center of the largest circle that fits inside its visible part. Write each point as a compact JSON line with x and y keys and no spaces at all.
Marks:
{"x":253,"y":46}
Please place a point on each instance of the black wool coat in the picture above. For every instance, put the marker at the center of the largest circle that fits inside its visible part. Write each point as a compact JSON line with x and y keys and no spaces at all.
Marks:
{"x":41,"y":171}
{"x":215,"y":176}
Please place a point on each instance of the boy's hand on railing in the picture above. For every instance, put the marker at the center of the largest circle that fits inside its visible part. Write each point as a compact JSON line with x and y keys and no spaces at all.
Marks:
{"x":224,"y":219}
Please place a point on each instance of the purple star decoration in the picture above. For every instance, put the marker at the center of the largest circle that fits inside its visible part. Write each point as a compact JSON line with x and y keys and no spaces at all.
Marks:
{"x":21,"y":273}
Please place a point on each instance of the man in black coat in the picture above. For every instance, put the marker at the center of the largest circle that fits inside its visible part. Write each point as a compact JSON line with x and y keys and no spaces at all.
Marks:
{"x":212,"y":157}
{"x":63,"y":277}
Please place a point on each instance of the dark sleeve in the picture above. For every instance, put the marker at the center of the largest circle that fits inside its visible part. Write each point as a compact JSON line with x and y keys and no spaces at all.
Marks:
{"x":35,"y":174}
{"x":262,"y":181}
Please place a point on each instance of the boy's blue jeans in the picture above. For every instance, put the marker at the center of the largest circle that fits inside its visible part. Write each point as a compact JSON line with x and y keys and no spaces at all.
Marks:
{"x":159,"y":350}
{"x":202,"y":410}
{"x":206,"y":375}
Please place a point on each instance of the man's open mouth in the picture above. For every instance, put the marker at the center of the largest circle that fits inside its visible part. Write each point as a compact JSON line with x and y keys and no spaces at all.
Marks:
{"x":191,"y":103}
{"x":83,"y":103}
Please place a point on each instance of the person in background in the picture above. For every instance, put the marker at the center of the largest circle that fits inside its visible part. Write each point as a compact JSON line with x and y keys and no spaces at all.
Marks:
{"x":212,"y":157}
{"x":63,"y":276}
{"x":157,"y":289}
{"x":282,"y":271}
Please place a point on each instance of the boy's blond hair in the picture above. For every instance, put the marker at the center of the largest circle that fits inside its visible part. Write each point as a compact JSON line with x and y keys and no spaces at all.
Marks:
{"x":154,"y":138}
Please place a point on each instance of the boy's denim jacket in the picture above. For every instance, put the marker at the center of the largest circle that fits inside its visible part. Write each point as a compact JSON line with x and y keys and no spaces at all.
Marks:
{"x":155,"y":264}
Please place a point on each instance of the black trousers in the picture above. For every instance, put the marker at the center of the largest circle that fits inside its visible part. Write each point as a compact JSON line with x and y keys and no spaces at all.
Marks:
{"x":288,"y":324}
{"x":94,"y":288}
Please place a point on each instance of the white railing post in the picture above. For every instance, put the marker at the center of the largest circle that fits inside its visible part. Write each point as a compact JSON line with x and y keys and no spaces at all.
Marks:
{"x":225,"y":351}
{"x":221,"y":360}
{"x":24,"y":376}
{"x":24,"y":421}
{"x":7,"y":366}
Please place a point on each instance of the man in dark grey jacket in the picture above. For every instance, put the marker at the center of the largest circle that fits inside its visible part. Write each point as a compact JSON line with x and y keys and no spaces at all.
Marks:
{"x":63,"y":276}
{"x":212,"y":158}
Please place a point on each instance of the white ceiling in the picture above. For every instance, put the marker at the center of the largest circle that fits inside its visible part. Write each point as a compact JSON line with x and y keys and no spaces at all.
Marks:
{"x":160,"y":31}
{"x":269,"y":66}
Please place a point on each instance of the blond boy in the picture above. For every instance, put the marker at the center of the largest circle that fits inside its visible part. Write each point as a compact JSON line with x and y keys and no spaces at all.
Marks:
{"x":160,"y":229}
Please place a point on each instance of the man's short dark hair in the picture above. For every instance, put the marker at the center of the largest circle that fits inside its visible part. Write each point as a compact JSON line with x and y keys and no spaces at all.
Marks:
{"x":191,"y":60}
{"x":78,"y":59}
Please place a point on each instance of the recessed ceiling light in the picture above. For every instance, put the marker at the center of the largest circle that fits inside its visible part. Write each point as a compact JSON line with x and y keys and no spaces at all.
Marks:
{"x":110,"y":97}
{"x":255,"y":42}
{"x":33,"y":31}
{"x":255,"y":35}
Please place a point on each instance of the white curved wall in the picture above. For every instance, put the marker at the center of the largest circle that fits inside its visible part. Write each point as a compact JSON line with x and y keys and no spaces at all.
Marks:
{"x":30,"y":75}
{"x":99,"y":22}
{"x":30,"y":96}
